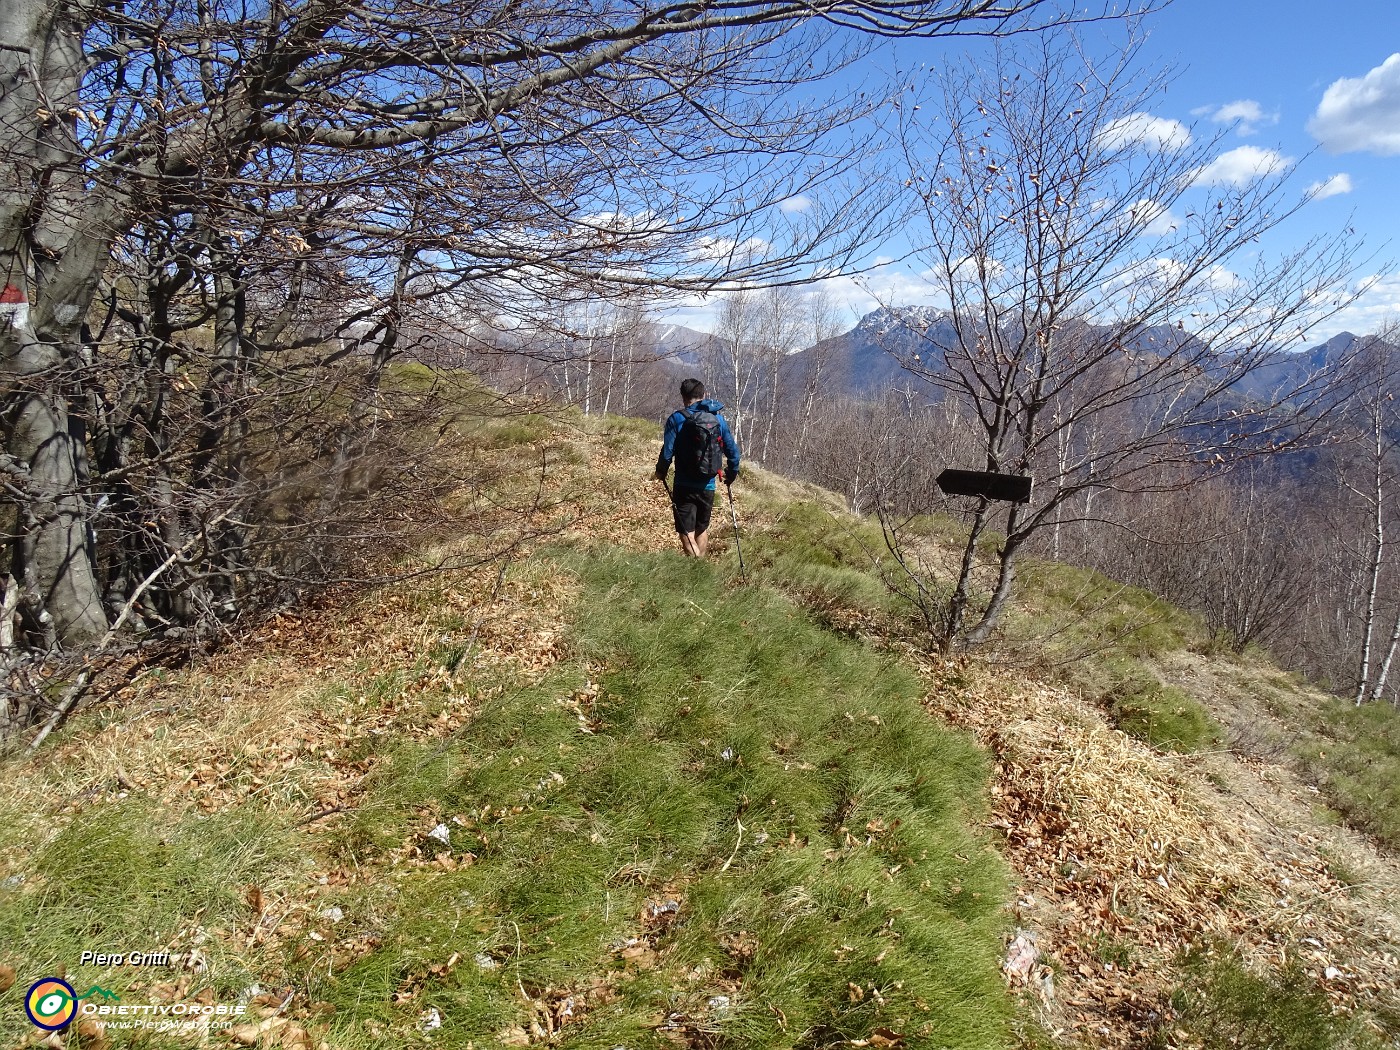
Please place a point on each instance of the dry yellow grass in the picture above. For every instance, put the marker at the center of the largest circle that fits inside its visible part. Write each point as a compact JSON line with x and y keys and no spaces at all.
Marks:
{"x":1126,"y":856}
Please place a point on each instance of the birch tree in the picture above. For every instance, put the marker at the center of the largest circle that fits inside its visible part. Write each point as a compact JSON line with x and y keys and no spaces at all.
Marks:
{"x":780,"y":328}
{"x":1375,"y":483}
{"x":823,"y":327}
{"x":735,"y":356}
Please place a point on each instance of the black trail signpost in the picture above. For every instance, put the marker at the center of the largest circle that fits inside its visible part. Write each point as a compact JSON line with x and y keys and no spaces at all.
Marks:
{"x":1014,"y":488}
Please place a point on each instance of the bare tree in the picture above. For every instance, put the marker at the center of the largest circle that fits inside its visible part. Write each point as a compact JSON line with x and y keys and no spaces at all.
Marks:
{"x":823,"y":327}
{"x":780,"y":331}
{"x":204,"y":194}
{"x":1095,"y":332}
{"x":1297,"y":553}
{"x":735,"y":356}
{"x":1375,"y":483}
{"x":875,"y":452}
{"x":1228,"y":548}
{"x":626,"y":349}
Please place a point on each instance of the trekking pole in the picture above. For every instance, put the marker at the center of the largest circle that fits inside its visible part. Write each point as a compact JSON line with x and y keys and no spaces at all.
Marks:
{"x":735,"y":519}
{"x":669,"y":494}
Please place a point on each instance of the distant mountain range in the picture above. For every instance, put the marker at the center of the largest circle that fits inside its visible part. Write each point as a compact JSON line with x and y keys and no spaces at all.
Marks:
{"x":678,"y":344}
{"x":865,"y":361}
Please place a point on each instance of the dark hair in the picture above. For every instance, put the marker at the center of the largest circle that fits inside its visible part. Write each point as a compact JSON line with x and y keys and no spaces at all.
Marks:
{"x":692,"y":390}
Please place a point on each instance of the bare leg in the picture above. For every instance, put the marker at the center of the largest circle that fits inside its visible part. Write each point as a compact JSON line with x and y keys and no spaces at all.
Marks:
{"x":702,"y":540}
{"x":689,"y":546}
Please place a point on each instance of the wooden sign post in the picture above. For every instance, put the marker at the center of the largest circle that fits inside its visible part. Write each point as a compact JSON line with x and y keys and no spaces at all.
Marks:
{"x":1014,"y":488}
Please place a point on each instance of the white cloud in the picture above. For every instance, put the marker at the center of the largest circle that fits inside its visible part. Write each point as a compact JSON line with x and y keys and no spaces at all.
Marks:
{"x":624,"y":222}
{"x":1245,"y":113}
{"x":1374,"y":305}
{"x":972,"y":270}
{"x":892,"y":284}
{"x":1219,"y":279}
{"x":1120,"y":294}
{"x":1156,"y":134}
{"x":1245,"y":109}
{"x":1143,"y":284}
{"x":716,"y":249}
{"x":1154,"y":218}
{"x":1337,"y":184}
{"x":886,"y":283}
{"x":1164,"y":271}
{"x":1241,"y":166}
{"x":795,"y":205}
{"x":1361,"y":113}
{"x":1378,"y":306}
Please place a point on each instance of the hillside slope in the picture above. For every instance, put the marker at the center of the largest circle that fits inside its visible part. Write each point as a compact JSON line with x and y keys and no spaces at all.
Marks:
{"x":595,"y":795}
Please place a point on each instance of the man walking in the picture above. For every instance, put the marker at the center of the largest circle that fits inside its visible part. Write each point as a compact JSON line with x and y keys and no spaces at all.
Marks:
{"x":697,"y":438}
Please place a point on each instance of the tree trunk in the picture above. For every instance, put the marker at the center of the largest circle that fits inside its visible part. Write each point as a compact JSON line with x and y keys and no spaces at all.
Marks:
{"x":1363,"y":677}
{"x":1384,"y":672}
{"x":1005,"y":576}
{"x":962,"y":593}
{"x":52,"y":556}
{"x":773,"y":390}
{"x":54,"y":241}
{"x":588,"y":378}
{"x":612,"y":368}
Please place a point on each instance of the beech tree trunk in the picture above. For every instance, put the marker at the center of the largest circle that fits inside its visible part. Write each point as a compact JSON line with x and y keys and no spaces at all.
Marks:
{"x":49,"y":267}
{"x":53,"y":557}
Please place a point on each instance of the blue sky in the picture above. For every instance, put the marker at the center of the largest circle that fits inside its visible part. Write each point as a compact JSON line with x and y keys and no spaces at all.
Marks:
{"x":1314,"y":83}
{"x":1325,"y":79}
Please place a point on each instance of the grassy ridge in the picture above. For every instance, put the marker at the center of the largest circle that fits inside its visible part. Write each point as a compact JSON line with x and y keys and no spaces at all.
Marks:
{"x":125,"y":876}
{"x":1220,"y":1002}
{"x":742,"y":832}
{"x":710,"y":822}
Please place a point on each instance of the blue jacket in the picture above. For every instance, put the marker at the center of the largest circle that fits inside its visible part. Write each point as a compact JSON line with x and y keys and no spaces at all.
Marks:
{"x":668,"y":447}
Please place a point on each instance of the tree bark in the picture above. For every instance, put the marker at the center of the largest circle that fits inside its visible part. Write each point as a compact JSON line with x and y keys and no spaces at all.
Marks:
{"x":52,"y":558}
{"x":1378,"y":542}
{"x":962,"y":593}
{"x":49,"y":268}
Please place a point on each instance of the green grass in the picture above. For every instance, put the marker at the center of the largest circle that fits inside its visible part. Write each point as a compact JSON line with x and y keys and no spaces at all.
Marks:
{"x":704,"y":748}
{"x":1221,"y":1002}
{"x":1106,"y":627}
{"x":780,"y":785}
{"x":822,"y":559}
{"x":121,"y":878}
{"x":941,"y":527}
{"x":1163,"y":716}
{"x":1354,"y":755}
{"x":1116,"y":950}
{"x":511,"y":431}
{"x":1078,"y":610}
{"x":628,"y":433}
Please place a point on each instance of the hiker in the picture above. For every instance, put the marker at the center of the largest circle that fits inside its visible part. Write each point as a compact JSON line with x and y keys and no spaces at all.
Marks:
{"x":696,"y":437}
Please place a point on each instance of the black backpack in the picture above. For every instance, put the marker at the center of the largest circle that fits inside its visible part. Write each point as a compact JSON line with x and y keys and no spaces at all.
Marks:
{"x":699,"y":447}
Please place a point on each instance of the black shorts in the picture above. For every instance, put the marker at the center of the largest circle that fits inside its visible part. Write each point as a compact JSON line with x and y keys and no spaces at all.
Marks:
{"x":692,"y":508}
